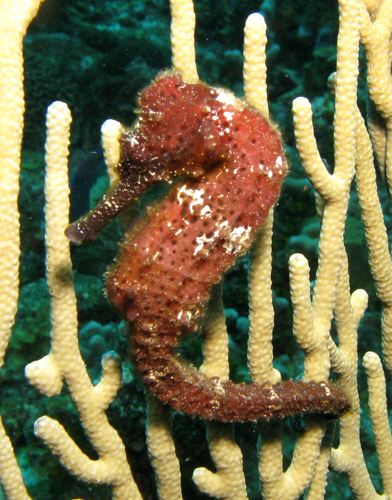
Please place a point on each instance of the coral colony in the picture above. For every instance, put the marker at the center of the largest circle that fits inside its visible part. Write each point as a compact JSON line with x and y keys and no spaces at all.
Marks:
{"x":230,"y":165}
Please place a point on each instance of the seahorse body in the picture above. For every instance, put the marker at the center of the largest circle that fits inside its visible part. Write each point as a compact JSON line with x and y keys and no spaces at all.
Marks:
{"x":231,"y":165}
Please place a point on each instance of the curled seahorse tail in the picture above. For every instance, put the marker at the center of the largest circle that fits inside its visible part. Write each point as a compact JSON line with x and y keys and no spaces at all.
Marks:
{"x":187,"y":390}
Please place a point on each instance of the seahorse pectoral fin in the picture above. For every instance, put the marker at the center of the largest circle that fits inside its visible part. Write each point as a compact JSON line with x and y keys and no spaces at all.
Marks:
{"x":88,"y":227}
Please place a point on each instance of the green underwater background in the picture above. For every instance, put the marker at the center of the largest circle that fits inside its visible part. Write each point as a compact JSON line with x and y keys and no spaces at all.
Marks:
{"x":96,"y":56}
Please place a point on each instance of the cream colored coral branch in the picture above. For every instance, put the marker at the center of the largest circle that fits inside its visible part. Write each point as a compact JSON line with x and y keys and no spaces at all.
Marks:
{"x":379,"y":415}
{"x":376,"y":233}
{"x":162,"y":450}
{"x":316,"y":490}
{"x":183,"y":39}
{"x":255,"y":70}
{"x":14,"y":19}
{"x":375,"y":35}
{"x":261,"y":312}
{"x":216,"y":341}
{"x":64,"y":362}
{"x":323,"y":182}
{"x":376,"y":28}
{"x":348,"y":457}
{"x":307,"y":450}
{"x":333,"y":188}
{"x":10,"y":476}
{"x":228,"y":482}
{"x":316,"y":361}
{"x":312,"y":320}
{"x":111,"y":133}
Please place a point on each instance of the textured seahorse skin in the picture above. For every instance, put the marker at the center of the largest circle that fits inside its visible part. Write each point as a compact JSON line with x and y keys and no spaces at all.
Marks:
{"x":232,"y":165}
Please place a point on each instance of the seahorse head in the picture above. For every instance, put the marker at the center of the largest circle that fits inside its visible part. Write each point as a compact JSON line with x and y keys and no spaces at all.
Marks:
{"x":186,"y":130}
{"x":175,"y":133}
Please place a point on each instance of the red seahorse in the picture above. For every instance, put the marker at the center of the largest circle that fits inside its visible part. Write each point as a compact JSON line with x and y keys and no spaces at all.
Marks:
{"x":230,"y":165}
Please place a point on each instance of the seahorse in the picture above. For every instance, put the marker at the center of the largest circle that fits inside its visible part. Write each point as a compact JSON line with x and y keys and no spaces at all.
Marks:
{"x":226,"y":163}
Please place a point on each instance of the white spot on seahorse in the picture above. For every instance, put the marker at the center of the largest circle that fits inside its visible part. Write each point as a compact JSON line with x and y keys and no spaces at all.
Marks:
{"x":225,"y":98}
{"x":195,"y":194}
{"x":239,"y":237}
{"x":184,"y":317}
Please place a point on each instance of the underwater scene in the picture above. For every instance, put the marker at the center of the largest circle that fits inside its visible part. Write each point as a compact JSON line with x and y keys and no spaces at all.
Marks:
{"x":113,"y":60}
